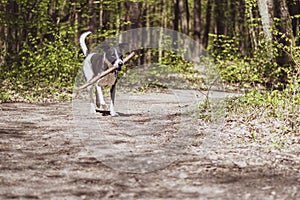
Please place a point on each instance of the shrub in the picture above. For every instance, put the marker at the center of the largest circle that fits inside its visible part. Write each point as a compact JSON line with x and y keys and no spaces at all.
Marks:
{"x":41,"y":69}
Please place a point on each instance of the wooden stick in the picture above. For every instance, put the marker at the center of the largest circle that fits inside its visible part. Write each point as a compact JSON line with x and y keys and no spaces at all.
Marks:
{"x":109,"y":70}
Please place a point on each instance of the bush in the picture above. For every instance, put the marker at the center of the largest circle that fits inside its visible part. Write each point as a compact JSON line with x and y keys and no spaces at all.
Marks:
{"x":41,"y":69}
{"x":258,"y":67}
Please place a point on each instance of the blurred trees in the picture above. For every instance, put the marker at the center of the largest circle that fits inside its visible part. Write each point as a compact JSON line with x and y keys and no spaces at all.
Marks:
{"x":28,"y":27}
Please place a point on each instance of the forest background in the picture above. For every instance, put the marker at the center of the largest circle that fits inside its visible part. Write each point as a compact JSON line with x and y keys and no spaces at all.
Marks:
{"x":254,"y":43}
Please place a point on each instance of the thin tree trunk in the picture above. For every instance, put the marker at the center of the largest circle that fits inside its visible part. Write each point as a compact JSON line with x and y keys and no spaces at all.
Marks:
{"x":134,"y":13}
{"x":266,"y":9}
{"x":242,"y":30}
{"x":231,"y":22}
{"x":101,"y":21}
{"x":197,"y":20}
{"x":270,"y":9}
{"x":220,"y":20}
{"x":92,"y":20}
{"x":294,"y":10}
{"x":176,"y":15}
{"x":207,"y":24}
{"x":284,"y":27}
{"x":184,"y":14}
{"x":252,"y":32}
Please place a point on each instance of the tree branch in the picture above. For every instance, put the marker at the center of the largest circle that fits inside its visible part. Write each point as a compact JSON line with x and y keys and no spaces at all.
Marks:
{"x":101,"y":75}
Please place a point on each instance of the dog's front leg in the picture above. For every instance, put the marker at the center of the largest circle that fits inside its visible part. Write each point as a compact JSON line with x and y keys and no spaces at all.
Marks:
{"x":112,"y":101}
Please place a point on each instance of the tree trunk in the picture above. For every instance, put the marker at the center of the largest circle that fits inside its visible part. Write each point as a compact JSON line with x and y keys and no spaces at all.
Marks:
{"x":251,"y":19}
{"x":269,"y":10}
{"x":100,"y":20}
{"x":207,"y":24}
{"x":231,"y":21}
{"x":105,"y":19}
{"x":197,"y":20}
{"x":176,"y":15}
{"x":242,"y":30}
{"x":265,"y":9}
{"x":92,"y":20}
{"x":294,"y":10}
{"x":220,"y":19}
{"x":184,"y":16}
{"x":134,"y":13}
{"x":284,"y":27}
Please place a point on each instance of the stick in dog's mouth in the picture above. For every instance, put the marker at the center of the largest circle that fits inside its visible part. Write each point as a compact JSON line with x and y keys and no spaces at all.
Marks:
{"x":109,"y":70}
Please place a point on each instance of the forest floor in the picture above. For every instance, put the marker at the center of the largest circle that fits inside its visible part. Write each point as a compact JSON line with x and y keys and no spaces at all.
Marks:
{"x":155,"y":149}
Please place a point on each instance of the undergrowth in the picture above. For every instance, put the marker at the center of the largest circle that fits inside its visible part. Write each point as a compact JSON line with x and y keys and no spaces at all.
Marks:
{"x":271,"y":118}
{"x":268,"y":111}
{"x":42,"y":71}
{"x":274,"y":104}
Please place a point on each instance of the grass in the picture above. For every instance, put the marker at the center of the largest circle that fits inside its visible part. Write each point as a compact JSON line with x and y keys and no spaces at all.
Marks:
{"x":34,"y":94}
{"x":271,"y":118}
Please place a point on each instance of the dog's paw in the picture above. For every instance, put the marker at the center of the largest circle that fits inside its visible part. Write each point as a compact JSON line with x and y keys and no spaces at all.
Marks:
{"x":114,"y":114}
{"x":104,"y":107}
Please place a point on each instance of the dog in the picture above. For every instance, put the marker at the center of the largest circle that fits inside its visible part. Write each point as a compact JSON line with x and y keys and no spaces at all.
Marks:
{"x":94,"y":63}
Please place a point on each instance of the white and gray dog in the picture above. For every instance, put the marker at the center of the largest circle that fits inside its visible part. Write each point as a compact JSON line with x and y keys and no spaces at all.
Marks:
{"x":94,"y":63}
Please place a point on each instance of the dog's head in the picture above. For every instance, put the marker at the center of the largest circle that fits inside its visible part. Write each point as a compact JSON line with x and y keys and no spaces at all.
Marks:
{"x":115,"y":57}
{"x":113,"y":53}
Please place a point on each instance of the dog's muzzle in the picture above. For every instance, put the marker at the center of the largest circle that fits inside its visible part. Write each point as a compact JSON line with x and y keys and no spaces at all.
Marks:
{"x":118,"y":63}
{"x":121,"y":63}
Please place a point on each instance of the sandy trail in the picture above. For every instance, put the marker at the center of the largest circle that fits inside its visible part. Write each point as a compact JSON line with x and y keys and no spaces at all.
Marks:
{"x":154,"y":150}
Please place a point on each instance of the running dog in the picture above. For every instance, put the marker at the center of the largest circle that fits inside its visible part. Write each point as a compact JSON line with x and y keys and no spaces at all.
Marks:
{"x":95,"y":63}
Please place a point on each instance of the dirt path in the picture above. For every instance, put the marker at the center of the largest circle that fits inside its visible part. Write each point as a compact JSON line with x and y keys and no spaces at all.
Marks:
{"x":48,"y":151}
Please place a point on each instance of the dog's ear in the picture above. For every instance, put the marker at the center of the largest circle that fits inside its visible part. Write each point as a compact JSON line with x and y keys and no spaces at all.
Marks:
{"x":99,"y":49}
{"x":123,"y":46}
{"x":105,"y":47}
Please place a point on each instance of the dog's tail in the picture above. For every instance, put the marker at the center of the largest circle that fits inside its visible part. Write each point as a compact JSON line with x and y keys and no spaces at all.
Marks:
{"x":82,"y":42}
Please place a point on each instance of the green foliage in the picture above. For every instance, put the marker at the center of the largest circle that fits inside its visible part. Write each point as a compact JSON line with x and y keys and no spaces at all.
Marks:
{"x":42,"y":69}
{"x":233,"y":66}
{"x":258,"y":67}
{"x":271,"y":117}
{"x":205,"y":110}
{"x":176,"y":61}
{"x":40,"y":50}
{"x":278,"y":104}
{"x":52,"y":62}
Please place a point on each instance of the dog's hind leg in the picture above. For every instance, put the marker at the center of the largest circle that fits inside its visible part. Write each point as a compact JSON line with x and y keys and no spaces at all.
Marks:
{"x":112,"y":101}
{"x":89,"y":74}
{"x":100,"y":98}
{"x":92,"y":104}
